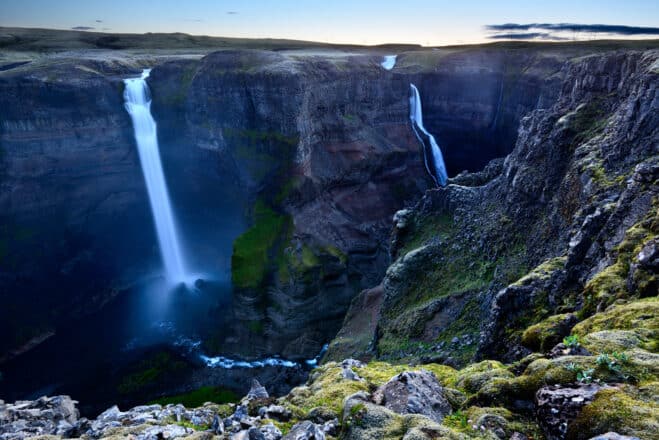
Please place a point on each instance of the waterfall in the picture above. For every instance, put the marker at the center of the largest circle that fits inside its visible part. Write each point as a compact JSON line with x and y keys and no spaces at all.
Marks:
{"x":138,"y":104}
{"x":416,"y":116}
{"x":389,"y":62}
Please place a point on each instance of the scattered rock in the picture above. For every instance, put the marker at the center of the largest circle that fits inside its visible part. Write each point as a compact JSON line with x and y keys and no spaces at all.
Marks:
{"x":614,"y":436}
{"x":305,"y":431}
{"x":561,"y":349}
{"x":275,"y":412}
{"x":257,"y":391}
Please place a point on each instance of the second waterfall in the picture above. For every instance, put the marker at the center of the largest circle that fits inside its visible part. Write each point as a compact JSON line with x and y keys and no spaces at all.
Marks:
{"x":138,"y":104}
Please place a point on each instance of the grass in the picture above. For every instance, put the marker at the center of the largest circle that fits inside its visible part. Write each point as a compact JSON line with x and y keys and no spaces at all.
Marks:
{"x":440,"y":226}
{"x":200,"y":396}
{"x":149,"y":371}
{"x":250,"y":259}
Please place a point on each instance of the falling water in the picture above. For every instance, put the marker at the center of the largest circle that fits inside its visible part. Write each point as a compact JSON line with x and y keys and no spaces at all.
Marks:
{"x":388,"y":62}
{"x":416,"y":116}
{"x":138,"y":105}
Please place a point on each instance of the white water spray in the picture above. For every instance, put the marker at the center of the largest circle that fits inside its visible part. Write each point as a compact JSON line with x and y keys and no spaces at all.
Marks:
{"x":389,"y":62}
{"x":138,"y":104}
{"x":416,"y":116}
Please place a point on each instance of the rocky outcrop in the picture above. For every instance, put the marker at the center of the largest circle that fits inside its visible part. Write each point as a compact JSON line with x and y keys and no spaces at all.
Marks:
{"x":474,"y":266}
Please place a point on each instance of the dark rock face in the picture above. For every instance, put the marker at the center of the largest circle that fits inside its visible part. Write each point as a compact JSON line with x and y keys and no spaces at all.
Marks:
{"x":415,"y":392}
{"x":70,"y":184}
{"x":557,"y":406}
{"x":475,"y":265}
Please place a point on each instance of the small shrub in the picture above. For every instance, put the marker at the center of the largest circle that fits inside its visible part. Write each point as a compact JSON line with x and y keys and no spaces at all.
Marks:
{"x":583,"y":375}
{"x":571,"y":341}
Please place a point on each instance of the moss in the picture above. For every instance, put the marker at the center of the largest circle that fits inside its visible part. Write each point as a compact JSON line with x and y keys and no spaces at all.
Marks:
{"x":619,"y":410}
{"x":608,"y":341}
{"x":327,"y":388}
{"x":611,"y":283}
{"x":427,"y":228}
{"x":338,"y":253}
{"x":250,"y":259}
{"x":474,"y":376}
{"x":464,"y":422}
{"x":640,"y":320}
{"x":545,"y":334}
{"x":149,"y":371}
{"x":586,"y":121}
{"x":543,"y":271}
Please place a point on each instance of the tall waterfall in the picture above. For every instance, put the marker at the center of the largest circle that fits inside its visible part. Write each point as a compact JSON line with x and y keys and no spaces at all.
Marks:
{"x":138,"y":104}
{"x":416,"y":116}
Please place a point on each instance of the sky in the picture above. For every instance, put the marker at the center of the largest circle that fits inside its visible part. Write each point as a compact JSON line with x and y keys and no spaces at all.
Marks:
{"x":426,"y":22}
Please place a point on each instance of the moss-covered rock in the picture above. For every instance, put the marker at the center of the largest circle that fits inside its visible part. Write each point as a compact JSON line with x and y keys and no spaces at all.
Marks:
{"x":327,"y":388}
{"x":636,"y":324}
{"x":493,"y":420}
{"x":621,"y":410}
{"x":548,"y":332}
{"x":613,"y":282}
{"x":473,"y":377}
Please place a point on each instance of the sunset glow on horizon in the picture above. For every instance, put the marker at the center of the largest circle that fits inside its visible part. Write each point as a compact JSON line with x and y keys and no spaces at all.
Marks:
{"x":368,"y":22}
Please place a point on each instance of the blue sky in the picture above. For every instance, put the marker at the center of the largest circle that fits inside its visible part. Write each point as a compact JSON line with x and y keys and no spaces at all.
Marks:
{"x":428,"y":22}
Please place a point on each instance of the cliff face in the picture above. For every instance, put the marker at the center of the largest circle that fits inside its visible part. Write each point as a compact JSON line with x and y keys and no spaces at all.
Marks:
{"x":69,"y":183}
{"x":324,"y":148}
{"x":555,"y":229}
{"x":317,"y":146}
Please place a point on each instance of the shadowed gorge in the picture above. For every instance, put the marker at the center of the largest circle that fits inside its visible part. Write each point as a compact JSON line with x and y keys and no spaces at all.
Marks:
{"x":451,"y":242}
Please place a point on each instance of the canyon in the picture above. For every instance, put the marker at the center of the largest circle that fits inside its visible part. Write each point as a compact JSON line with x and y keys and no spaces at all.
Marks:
{"x":304,"y":202}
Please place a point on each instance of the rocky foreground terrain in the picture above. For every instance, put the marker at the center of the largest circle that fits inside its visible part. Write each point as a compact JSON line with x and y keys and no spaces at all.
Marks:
{"x":519,"y":302}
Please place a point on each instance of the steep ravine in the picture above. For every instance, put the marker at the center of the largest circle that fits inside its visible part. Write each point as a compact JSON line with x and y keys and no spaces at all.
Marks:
{"x":325,"y":148}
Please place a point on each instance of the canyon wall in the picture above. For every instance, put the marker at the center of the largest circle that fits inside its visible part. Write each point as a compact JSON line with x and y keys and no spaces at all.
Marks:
{"x":315,"y":146}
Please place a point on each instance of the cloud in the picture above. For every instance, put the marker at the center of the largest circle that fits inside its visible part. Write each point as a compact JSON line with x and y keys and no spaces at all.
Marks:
{"x":99,"y":21}
{"x":533,"y":31}
{"x":82,"y":28}
{"x":526,"y":36}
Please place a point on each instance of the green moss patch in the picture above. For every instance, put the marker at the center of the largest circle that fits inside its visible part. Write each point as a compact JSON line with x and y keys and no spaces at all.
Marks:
{"x":547,"y":333}
{"x":640,"y":320}
{"x":200,"y":396}
{"x":619,"y":410}
{"x":250,"y":259}
{"x":611,"y":284}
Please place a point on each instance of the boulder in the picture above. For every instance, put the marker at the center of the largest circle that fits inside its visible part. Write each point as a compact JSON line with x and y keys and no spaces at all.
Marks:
{"x":557,"y":406}
{"x":305,"y":431}
{"x":414,"y":392}
{"x":614,"y":436}
{"x":257,"y":391}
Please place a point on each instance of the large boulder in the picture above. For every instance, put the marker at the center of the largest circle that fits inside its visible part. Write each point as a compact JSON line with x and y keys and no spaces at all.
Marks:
{"x":414,"y":392}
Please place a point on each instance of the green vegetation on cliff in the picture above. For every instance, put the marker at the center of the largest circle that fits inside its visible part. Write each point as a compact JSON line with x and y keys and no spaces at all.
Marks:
{"x":200,"y":396}
{"x":251,"y":250}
